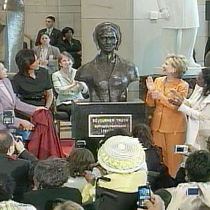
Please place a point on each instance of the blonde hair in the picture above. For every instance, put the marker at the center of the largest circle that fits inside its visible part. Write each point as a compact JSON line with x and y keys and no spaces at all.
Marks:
{"x":68,"y":205}
{"x":179,"y":62}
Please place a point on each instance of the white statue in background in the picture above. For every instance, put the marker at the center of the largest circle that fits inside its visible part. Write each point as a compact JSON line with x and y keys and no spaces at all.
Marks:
{"x":180,"y":27}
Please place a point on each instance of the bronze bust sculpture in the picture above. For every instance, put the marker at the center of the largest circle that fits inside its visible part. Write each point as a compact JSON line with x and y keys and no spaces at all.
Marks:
{"x":107,"y":75}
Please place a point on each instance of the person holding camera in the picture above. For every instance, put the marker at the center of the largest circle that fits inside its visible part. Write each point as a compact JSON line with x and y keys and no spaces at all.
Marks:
{"x":16,"y":161}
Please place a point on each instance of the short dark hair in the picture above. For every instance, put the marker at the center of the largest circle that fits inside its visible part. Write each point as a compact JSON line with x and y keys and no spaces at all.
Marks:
{"x":206,"y":78}
{"x":6,"y":140}
{"x":198,"y":166}
{"x":79,"y":160}
{"x":24,"y":58}
{"x":51,"y":17}
{"x":143,"y":133}
{"x":66,"y":30}
{"x":51,"y":173}
{"x":7,"y":186}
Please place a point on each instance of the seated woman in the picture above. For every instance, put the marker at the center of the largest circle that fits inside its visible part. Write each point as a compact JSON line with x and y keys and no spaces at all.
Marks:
{"x":47,"y":54}
{"x":32,"y":83}
{"x":79,"y":162}
{"x":72,"y":46}
{"x":49,"y":177}
{"x":65,"y":86}
{"x":9,"y":101}
{"x":122,"y":161}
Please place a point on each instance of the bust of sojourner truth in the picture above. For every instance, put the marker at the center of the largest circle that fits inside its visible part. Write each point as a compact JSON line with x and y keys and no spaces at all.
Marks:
{"x":107,"y":75}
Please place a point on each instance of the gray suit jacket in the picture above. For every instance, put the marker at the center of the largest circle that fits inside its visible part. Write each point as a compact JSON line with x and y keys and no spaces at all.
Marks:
{"x":52,"y":65}
{"x":7,"y":104}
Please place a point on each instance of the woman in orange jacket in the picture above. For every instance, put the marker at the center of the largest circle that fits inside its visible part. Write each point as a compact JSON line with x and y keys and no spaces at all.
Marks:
{"x":168,"y":124}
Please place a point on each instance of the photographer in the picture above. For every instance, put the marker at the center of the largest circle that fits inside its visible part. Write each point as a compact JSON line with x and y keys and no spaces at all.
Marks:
{"x":193,"y":194}
{"x":18,"y":166}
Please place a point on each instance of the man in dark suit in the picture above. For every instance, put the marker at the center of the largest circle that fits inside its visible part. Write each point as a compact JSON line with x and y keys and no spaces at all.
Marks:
{"x":56,"y":37}
{"x":19,"y":168}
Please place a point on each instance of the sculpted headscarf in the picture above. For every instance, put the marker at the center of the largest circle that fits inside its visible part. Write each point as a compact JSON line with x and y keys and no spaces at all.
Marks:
{"x":99,"y":29}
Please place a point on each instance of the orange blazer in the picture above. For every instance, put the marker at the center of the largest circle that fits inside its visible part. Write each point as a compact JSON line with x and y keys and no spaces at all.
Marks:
{"x":166,"y":117}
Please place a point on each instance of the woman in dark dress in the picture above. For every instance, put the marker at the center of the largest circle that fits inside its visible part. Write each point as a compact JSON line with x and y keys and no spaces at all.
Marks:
{"x":72,"y":46}
{"x":32,"y":84}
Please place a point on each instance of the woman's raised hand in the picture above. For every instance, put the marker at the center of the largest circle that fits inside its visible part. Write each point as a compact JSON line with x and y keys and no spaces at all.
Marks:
{"x":150,"y":84}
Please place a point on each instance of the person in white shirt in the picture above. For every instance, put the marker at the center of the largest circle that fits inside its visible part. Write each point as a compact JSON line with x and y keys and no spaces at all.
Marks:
{"x":197,"y":108}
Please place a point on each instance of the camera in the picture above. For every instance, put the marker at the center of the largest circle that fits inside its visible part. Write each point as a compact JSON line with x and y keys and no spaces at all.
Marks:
{"x":192,"y":191}
{"x":182,"y":149}
{"x":80,"y":144}
{"x":144,"y":193}
{"x":8,"y":117}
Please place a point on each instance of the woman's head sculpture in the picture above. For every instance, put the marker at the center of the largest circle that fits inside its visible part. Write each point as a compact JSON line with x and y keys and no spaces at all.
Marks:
{"x":110,"y":31}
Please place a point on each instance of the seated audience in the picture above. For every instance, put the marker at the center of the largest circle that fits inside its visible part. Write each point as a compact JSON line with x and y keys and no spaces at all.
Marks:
{"x":49,"y":177}
{"x":79,"y":162}
{"x":160,"y":179}
{"x":168,"y":124}
{"x":9,"y":101}
{"x":65,"y":86}
{"x":32,"y":84}
{"x":47,"y":54}
{"x":20,"y":168}
{"x":197,"y":108}
{"x":72,"y":46}
{"x":7,"y":186}
{"x":195,"y":193}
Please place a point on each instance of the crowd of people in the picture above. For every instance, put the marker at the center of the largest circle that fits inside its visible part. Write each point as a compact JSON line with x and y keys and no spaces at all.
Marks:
{"x":36,"y":174}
